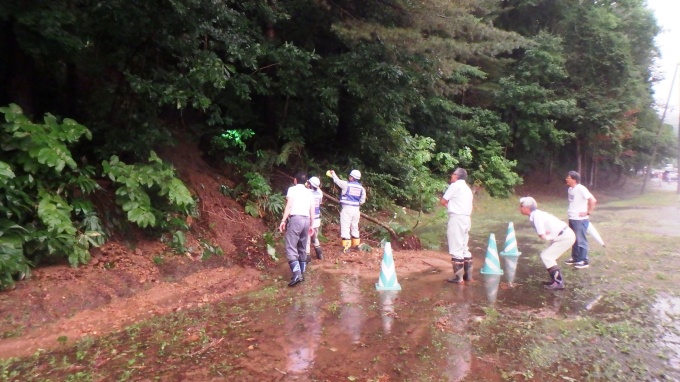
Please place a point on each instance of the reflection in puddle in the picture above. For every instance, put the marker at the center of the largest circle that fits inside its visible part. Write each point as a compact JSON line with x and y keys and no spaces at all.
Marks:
{"x":668,"y":310}
{"x":351,"y":313}
{"x":303,"y":327}
{"x":491,"y":284}
{"x":594,"y":302}
{"x":387,"y":303}
{"x":510,"y":265}
{"x":459,"y":349}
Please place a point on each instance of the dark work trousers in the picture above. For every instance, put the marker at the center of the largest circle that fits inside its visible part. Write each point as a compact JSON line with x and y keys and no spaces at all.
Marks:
{"x":579,"y":251}
{"x":296,"y":237}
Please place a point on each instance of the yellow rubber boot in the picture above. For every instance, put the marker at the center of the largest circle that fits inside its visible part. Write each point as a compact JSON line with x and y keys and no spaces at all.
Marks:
{"x":345,"y":245}
{"x":356,"y":243}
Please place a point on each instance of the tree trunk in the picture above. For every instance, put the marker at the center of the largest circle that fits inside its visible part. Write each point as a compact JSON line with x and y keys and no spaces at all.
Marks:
{"x":342,"y":132}
{"x":72,"y":87}
{"x":20,"y":73}
{"x":269,"y":102}
{"x":593,"y":165}
{"x":578,"y":155}
{"x":550,"y":166}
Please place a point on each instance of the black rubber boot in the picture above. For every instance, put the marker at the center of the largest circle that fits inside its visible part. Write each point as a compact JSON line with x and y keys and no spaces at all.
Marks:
{"x":467,"y":270}
{"x":297,"y":273}
{"x":319,"y":253}
{"x":557,"y":281}
{"x":304,"y":263}
{"x":458,"y":269}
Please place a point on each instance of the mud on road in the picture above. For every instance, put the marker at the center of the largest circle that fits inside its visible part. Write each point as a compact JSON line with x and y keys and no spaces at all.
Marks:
{"x":615,"y":321}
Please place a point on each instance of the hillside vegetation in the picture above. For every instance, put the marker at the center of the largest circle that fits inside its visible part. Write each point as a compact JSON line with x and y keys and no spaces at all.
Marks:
{"x":404,"y":91}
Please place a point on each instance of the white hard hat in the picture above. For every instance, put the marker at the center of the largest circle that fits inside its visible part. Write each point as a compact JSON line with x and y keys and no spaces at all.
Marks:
{"x":356,"y":174}
{"x":315,"y":182}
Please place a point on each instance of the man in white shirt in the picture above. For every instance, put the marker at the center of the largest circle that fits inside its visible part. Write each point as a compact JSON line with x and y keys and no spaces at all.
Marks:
{"x":581,"y":205}
{"x":549,"y":227}
{"x":458,"y":202}
{"x":298,"y":217}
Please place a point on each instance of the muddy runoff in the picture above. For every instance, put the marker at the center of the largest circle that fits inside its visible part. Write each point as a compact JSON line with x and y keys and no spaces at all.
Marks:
{"x":616,"y":321}
{"x":337,"y":327}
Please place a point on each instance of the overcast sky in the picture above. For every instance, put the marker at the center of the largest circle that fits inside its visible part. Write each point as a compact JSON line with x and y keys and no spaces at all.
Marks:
{"x":667,"y":13}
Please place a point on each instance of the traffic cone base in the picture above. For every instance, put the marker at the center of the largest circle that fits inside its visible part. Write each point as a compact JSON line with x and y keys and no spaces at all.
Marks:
{"x":388,"y":274}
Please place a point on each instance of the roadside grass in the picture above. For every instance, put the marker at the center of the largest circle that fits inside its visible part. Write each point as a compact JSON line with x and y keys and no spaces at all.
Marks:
{"x":609,"y":328}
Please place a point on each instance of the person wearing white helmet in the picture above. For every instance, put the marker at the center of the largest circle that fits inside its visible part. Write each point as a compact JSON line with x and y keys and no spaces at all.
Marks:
{"x":314,"y":184}
{"x":352,"y":195}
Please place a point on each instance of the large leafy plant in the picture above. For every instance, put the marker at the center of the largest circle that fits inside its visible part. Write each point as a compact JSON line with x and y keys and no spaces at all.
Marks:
{"x":42,"y":203}
{"x":44,"y":206}
{"x":136,"y":184}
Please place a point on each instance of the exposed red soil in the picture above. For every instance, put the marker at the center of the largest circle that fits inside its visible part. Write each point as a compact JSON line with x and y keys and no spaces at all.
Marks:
{"x":132,"y":279}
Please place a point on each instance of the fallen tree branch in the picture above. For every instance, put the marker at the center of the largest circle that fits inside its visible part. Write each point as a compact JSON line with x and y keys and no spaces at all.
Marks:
{"x":205,"y":348}
{"x":389,"y":229}
{"x":393,"y":234}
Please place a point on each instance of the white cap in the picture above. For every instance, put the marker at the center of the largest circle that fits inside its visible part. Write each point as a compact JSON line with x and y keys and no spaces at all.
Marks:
{"x":315,"y":182}
{"x":356,"y":174}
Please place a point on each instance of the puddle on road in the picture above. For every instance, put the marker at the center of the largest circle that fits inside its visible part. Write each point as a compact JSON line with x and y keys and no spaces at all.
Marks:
{"x":338,"y":327}
{"x":358,"y":332}
{"x":667,"y":309}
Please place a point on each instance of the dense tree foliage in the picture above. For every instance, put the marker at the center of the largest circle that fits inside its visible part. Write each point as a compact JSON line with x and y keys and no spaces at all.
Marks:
{"x":607,"y":52}
{"x":403,"y":90}
{"x":395,"y":87}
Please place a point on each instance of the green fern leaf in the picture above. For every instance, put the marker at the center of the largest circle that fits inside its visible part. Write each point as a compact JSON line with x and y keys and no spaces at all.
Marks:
{"x":252,"y":210}
{"x":178,"y":193}
{"x":142,"y":217}
{"x":55,"y":213}
{"x":6,"y":172}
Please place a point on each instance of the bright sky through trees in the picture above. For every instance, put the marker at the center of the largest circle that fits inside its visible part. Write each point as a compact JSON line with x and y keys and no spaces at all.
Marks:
{"x":667,"y":13}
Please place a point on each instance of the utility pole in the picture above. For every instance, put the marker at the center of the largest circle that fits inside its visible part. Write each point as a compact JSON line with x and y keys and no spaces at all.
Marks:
{"x":658,"y":133}
{"x":677,"y":180}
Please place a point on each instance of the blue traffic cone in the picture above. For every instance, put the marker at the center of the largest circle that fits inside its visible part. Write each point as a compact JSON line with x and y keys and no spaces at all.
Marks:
{"x":388,"y":274}
{"x":492,"y":265}
{"x":510,"y":247}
